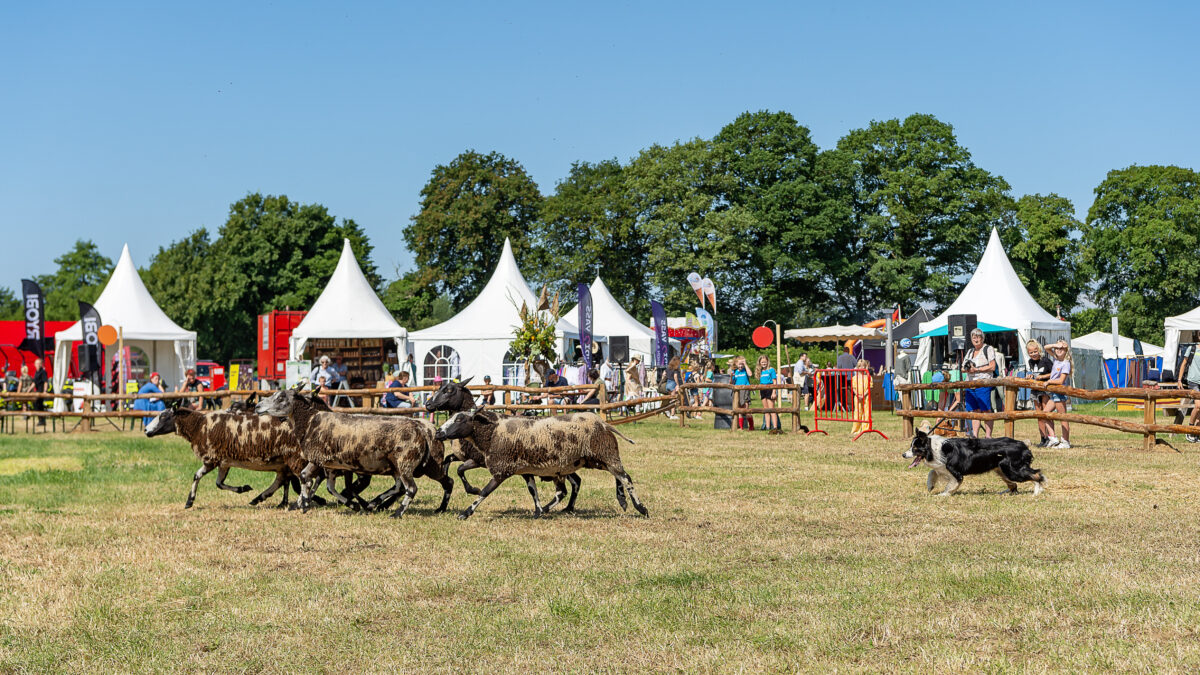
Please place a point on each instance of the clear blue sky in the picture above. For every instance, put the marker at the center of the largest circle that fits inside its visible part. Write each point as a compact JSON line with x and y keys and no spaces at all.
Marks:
{"x":141,"y":123}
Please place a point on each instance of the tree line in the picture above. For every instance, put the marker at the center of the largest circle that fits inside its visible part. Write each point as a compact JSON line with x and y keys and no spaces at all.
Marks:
{"x":895,"y":213}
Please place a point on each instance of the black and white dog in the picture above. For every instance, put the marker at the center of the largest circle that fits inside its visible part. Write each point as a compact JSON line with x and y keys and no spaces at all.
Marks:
{"x":953,"y":458}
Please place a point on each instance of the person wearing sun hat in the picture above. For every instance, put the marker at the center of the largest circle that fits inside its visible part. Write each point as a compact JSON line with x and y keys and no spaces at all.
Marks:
{"x":1060,"y":374}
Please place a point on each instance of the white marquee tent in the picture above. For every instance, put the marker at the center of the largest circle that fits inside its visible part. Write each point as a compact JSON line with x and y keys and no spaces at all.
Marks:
{"x":474,"y":342}
{"x":1103,"y":342}
{"x":347,"y":308}
{"x":125,"y":304}
{"x":610,"y":319}
{"x":996,"y":295}
{"x":1174,"y":326}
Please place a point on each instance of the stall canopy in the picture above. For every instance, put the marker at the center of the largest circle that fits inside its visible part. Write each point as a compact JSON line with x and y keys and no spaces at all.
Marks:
{"x":155,"y":340}
{"x":1174,"y":326}
{"x":474,"y":342}
{"x":832,"y":333}
{"x":985,"y":327}
{"x":347,"y":308}
{"x":996,"y":295}
{"x":911,"y":326}
{"x":610,"y":319}
{"x":1104,"y":343}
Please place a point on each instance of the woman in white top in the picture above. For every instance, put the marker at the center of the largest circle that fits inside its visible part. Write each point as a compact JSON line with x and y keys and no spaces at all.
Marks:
{"x":979,"y":363}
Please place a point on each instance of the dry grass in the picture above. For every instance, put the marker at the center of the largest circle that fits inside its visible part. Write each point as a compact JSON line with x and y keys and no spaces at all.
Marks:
{"x":762,"y":553}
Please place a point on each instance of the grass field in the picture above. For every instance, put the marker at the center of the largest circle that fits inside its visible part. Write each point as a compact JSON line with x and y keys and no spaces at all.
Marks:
{"x":762,"y":553}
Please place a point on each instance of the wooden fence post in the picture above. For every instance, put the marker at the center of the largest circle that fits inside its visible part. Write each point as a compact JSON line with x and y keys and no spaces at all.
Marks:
{"x":796,"y":398}
{"x":1149,"y":439}
{"x":1010,"y":405}
{"x":906,"y":404}
{"x":679,"y":406}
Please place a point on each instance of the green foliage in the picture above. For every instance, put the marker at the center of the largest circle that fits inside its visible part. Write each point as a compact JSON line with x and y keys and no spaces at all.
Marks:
{"x":271,"y":253}
{"x":412,"y":301}
{"x":11,"y":307}
{"x":1090,"y":320}
{"x":1142,"y":238}
{"x":468,"y":207}
{"x":1043,"y":252}
{"x":81,"y":275}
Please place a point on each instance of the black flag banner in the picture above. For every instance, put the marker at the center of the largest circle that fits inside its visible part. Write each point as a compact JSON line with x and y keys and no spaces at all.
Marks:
{"x":89,"y":320}
{"x":35,"y":318}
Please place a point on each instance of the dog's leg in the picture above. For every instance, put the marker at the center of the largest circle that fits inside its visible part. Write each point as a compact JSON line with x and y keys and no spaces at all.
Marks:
{"x":951,"y":485}
{"x":930,"y":480}
{"x":1012,"y":487}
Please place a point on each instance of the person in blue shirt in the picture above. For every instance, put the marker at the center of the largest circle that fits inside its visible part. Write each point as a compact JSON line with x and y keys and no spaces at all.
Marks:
{"x":740,"y":374}
{"x":154,"y":386}
{"x":766,"y":375}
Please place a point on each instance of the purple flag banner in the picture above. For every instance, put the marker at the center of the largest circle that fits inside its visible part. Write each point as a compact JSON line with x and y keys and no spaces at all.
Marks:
{"x":586,"y":321}
{"x":34,"y":310}
{"x":662,"y":344}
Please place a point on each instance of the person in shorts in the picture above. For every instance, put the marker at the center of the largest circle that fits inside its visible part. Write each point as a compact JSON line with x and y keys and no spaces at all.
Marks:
{"x":767,"y":375}
{"x":1190,"y":368}
{"x":1040,"y":367}
{"x":1060,"y":375}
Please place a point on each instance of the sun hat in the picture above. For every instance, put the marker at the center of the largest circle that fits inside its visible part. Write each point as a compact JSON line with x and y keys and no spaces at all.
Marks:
{"x":153,"y":375}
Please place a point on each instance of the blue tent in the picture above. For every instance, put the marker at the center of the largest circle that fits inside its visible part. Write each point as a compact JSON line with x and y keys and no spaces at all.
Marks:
{"x":985,"y":327}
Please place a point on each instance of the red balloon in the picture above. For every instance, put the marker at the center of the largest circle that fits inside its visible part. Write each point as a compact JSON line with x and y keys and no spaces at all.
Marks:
{"x":762,"y":337}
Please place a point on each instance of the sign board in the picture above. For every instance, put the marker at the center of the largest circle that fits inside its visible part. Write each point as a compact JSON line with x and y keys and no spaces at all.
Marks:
{"x":296,"y":372}
{"x":234,"y":371}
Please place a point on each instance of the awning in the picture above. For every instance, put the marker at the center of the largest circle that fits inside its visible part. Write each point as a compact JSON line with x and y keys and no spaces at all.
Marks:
{"x":832,"y":333}
{"x":985,"y":327}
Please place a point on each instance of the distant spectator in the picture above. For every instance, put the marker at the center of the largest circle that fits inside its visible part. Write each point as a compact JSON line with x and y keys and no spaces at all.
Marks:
{"x":979,"y":363}
{"x":152,"y":404}
{"x":1060,"y":374}
{"x":740,"y":375}
{"x":860,"y":387}
{"x":321,"y":369}
{"x":767,"y":375}
{"x":488,"y":397}
{"x":25,"y":385}
{"x":410,"y":366}
{"x":845,"y":361}
{"x":599,"y":394}
{"x":340,"y":372}
{"x":1040,"y":367}
{"x":40,"y":380}
{"x":1189,"y":377}
{"x":190,"y":383}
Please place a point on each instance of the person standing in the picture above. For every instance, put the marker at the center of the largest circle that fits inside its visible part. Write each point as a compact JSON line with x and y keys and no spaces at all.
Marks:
{"x":322,"y":370}
{"x":25,"y":385}
{"x":1060,"y":375}
{"x":1040,"y":367}
{"x":979,"y":363}
{"x":340,"y":372}
{"x":740,"y":375}
{"x":845,"y":362}
{"x":767,"y":375}
{"x":860,"y":388}
{"x":1189,"y":378}
{"x":673,"y":379}
{"x":40,"y":380}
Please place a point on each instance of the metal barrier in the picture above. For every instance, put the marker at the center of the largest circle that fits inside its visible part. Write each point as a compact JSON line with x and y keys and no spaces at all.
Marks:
{"x":844,"y":395}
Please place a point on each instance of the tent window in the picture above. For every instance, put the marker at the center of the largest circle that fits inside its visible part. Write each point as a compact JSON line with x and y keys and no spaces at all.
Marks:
{"x":442,"y":361}
{"x":513,"y":370}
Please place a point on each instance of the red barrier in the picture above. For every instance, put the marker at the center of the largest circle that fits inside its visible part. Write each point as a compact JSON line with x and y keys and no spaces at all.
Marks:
{"x":843,"y":395}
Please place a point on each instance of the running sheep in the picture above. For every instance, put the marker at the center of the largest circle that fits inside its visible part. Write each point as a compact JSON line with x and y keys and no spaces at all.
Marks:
{"x":548,"y":446}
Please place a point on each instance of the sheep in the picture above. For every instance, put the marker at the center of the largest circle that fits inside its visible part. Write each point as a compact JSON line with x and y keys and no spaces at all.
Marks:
{"x":223,"y":440}
{"x":399,"y":447}
{"x":547,"y":446}
{"x":455,"y":397}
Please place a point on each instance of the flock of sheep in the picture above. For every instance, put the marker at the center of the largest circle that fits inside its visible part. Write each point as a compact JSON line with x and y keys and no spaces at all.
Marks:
{"x":298,"y":438}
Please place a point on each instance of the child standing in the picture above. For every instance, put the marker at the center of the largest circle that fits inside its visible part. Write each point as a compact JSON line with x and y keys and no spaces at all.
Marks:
{"x":741,"y":375}
{"x":860,"y":389}
{"x":1060,"y":374}
{"x":766,"y":375}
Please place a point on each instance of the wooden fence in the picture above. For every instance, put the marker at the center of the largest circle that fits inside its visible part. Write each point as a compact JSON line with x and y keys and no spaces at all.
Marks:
{"x":1148,"y":428}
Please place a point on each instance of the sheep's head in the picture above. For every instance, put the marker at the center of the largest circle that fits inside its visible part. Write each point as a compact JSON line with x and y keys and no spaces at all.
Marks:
{"x":451,"y":397}
{"x":278,"y":404}
{"x":462,"y":424}
{"x":243,"y":407}
{"x":164,"y":422}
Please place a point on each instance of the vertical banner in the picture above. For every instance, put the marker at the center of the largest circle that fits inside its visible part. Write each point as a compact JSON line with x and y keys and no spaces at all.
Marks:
{"x":35,"y":323}
{"x":710,"y":292}
{"x":89,"y":320}
{"x":662,"y":346}
{"x":697,"y":285}
{"x":710,"y":328}
{"x":585,"y":324}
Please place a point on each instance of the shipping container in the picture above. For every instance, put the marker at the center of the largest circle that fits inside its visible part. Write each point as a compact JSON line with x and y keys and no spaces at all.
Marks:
{"x":274,"y":333}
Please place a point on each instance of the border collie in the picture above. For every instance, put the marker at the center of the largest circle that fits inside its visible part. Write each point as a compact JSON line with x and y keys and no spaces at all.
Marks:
{"x":954,"y":458}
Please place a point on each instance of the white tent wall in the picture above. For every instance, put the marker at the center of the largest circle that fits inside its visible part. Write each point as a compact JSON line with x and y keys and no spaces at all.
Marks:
{"x":1173,"y":326}
{"x":610,"y":319}
{"x":996,"y":296}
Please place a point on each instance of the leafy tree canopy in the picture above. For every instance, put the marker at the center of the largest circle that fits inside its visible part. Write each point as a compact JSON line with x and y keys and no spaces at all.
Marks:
{"x":81,"y":275}
{"x":1045,"y":250}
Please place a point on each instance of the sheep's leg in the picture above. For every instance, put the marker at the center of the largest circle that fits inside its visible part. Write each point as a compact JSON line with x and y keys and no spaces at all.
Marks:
{"x":447,"y":487}
{"x":196,"y":481}
{"x":462,"y":474}
{"x":221,"y":482}
{"x":531,"y":483}
{"x":341,"y":498}
{"x":410,"y":491}
{"x":387,"y":497}
{"x":560,"y":491}
{"x":287,"y":484}
{"x":621,"y":495}
{"x":280,"y":479}
{"x":575,"y":482}
{"x":355,"y":488}
{"x":487,"y":490}
{"x":308,"y":485}
{"x":624,"y":477}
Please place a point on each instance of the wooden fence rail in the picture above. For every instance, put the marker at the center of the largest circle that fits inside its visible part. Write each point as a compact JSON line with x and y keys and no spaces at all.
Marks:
{"x":1148,"y":428}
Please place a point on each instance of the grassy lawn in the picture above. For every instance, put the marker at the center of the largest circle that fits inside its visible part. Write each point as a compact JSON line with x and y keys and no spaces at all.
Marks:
{"x":761,"y":553}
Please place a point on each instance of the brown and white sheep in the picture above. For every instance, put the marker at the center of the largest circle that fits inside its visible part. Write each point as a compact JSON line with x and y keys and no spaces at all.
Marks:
{"x":399,"y":447}
{"x":546,"y":446}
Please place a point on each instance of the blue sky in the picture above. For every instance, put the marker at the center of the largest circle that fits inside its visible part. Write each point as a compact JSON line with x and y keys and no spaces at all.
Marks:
{"x":140,"y":123}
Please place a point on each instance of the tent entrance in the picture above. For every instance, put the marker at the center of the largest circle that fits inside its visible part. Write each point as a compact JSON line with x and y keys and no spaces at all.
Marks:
{"x":364,"y":358}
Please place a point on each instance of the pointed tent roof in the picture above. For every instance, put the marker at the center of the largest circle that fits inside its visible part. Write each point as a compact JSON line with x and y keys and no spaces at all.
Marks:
{"x":125,"y":303}
{"x":996,"y":295}
{"x":1103,"y":342}
{"x":494,"y":312}
{"x":348,"y":307}
{"x":609,"y":317}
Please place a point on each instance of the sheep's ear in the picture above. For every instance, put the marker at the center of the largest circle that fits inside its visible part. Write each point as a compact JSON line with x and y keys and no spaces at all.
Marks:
{"x":174,"y":403}
{"x":467,"y":381}
{"x":250,"y":399}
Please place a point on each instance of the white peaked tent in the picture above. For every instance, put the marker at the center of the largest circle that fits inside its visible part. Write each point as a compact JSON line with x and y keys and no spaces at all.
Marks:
{"x":347,"y":308}
{"x":1103,"y":342}
{"x":474,"y":342}
{"x":609,"y":319}
{"x":1174,"y":325}
{"x":996,"y":295}
{"x":127,"y":305}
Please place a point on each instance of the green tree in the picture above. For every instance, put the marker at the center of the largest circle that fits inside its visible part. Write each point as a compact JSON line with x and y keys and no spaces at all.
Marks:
{"x":588,"y":227}
{"x":1045,"y":251}
{"x":271,"y":253}
{"x":1142,"y":238}
{"x":468,"y":207}
{"x":1090,"y":320}
{"x":11,"y":306}
{"x":904,"y":216}
{"x":81,"y":275}
{"x":411,"y":299}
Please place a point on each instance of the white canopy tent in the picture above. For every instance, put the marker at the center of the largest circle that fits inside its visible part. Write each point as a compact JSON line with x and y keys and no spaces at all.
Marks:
{"x":1103,"y":342}
{"x":996,"y":295}
{"x":610,"y":319}
{"x":832,"y":333}
{"x":474,"y":342}
{"x":1174,"y":325}
{"x":347,"y":308}
{"x":125,"y":304}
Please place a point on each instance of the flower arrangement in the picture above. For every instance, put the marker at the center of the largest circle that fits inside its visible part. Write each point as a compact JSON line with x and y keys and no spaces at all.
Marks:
{"x":534,"y":337}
